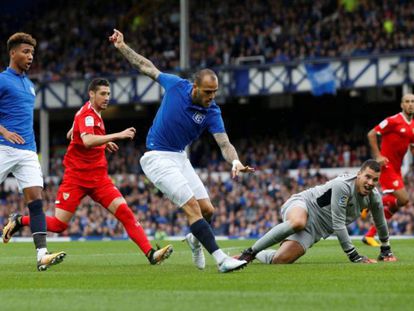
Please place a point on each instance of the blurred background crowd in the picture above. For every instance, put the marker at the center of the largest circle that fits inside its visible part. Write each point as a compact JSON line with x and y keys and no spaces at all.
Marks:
{"x":246,"y":207}
{"x":72,"y":40}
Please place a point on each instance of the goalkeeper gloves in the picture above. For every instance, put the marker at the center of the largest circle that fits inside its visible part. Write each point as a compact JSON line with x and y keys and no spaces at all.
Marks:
{"x":357,"y":258}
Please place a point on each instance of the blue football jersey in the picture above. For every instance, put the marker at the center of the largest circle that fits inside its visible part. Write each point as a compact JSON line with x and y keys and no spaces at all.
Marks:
{"x":178,"y":121}
{"x":17,"y":100}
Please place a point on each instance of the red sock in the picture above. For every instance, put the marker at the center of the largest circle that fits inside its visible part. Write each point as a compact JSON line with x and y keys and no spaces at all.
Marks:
{"x":388,"y":214}
{"x":389,"y":201}
{"x":53,"y":224}
{"x":133,"y":228}
{"x":371,"y":232}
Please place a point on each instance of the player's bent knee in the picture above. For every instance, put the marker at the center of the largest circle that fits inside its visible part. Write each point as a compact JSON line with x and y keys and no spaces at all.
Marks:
{"x":403,"y":201}
{"x":62,"y":215}
{"x":289,"y":252}
{"x":298,"y":223}
{"x":283,"y":259}
{"x":192,"y":209}
{"x":207,"y":209}
{"x":32,"y":194}
{"x":115,"y":204}
{"x":60,"y":226}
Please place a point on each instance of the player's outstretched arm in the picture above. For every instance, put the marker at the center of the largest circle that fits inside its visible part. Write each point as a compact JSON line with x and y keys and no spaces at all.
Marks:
{"x":141,"y":63}
{"x":91,"y":140}
{"x":230,"y":155}
{"x":375,"y":151}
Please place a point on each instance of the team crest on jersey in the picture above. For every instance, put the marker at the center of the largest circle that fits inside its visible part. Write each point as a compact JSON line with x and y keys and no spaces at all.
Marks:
{"x":66,"y":195}
{"x":343,"y":201}
{"x":199,"y":117}
{"x":89,"y":121}
{"x":32,"y":90}
{"x":403,"y":130}
{"x":395,"y":183}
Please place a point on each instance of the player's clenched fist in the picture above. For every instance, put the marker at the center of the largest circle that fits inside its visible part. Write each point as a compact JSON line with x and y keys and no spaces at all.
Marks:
{"x":128,"y":133}
{"x":117,"y":38}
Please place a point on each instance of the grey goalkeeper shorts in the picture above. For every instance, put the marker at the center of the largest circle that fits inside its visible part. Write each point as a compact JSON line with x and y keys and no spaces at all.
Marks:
{"x":309,"y":235}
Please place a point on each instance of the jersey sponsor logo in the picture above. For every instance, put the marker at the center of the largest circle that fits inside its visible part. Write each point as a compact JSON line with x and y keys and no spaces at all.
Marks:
{"x":89,"y":121}
{"x":66,"y":195}
{"x":383,"y":124}
{"x":32,"y":90}
{"x":343,"y":201}
{"x":198,"y":117}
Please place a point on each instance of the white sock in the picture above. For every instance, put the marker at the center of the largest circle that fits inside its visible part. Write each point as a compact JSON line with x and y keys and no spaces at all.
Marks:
{"x":41,"y":252}
{"x":219,"y":256}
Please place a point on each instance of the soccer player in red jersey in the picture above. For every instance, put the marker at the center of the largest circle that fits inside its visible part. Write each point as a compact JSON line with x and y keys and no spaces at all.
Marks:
{"x":397,"y":134}
{"x":86,"y":173}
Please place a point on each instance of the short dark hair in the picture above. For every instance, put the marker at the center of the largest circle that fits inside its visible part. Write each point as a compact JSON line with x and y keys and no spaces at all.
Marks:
{"x":19,"y":38}
{"x":96,"y":83}
{"x":372,"y":164}
{"x":199,"y":75}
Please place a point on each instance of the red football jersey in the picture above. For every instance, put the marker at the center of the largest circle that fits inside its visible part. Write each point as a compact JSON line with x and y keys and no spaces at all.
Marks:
{"x":87,"y":165}
{"x":397,"y":133}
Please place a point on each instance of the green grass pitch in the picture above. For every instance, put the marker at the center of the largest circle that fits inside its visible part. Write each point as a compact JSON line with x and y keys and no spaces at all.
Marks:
{"x":116,"y":276}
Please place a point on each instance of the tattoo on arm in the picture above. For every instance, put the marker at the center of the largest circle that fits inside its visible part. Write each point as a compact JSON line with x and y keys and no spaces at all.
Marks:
{"x":140,"y":62}
{"x":227,"y":149}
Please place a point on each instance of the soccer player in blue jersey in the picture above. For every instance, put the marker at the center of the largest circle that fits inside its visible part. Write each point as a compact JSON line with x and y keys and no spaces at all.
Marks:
{"x":187,"y":109}
{"x":17,"y":143}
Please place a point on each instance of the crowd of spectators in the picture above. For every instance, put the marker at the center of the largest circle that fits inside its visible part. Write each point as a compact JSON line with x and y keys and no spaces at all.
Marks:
{"x":246,"y":208}
{"x":72,"y":38}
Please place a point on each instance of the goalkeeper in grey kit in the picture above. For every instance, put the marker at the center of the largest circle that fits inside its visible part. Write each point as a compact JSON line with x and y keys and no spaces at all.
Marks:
{"x":322,"y":210}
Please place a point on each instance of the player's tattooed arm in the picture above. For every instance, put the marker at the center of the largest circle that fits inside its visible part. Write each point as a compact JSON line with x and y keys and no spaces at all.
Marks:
{"x":138,"y":61}
{"x":230,"y":155}
{"x":227,"y":149}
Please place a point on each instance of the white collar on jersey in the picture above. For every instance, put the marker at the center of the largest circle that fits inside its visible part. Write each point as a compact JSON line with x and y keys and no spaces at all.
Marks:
{"x":405,"y":119}
{"x":91,"y":107}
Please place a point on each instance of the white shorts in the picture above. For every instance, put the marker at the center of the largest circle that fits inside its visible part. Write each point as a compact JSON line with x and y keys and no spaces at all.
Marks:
{"x":173,"y":174}
{"x":23,"y":164}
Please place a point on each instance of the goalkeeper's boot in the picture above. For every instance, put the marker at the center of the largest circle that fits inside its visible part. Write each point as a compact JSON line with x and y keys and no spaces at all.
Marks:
{"x":368,"y":240}
{"x":266,"y":256}
{"x":197,"y":251}
{"x":13,"y":225}
{"x":157,"y":256}
{"x":50,"y":259}
{"x":230,"y":264}
{"x":248,"y":255}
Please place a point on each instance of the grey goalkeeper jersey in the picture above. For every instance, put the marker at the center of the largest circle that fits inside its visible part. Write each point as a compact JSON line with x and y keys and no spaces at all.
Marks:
{"x":335,"y":204}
